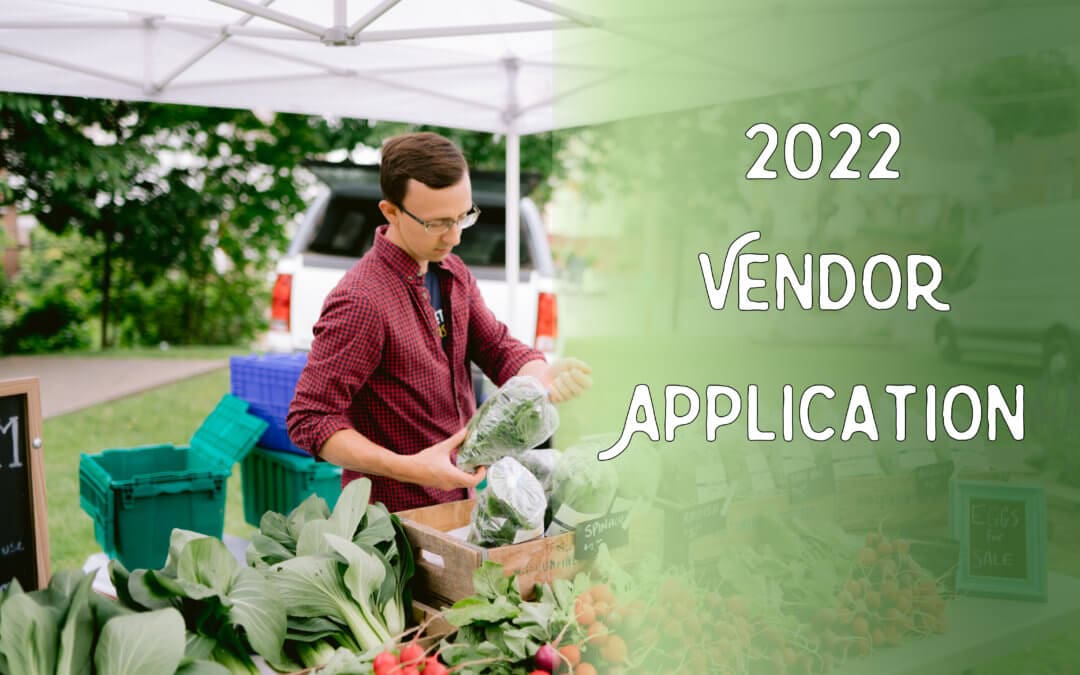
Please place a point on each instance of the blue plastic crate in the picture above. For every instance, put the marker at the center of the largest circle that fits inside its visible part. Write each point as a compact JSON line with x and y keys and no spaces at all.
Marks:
{"x":267,"y":382}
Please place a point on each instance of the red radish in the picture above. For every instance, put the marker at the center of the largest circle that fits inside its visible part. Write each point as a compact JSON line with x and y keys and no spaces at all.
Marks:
{"x":412,"y":654}
{"x":435,"y":668}
{"x":408,"y":670}
{"x":547,"y":659}
{"x":384,"y":663}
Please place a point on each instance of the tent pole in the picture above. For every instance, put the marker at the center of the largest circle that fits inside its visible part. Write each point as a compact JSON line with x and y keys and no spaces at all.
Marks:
{"x":513,"y":222}
{"x":513,"y":191}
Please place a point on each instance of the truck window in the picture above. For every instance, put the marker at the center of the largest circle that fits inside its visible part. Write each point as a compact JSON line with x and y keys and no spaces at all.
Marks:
{"x":348,"y":229}
{"x":484,"y":244}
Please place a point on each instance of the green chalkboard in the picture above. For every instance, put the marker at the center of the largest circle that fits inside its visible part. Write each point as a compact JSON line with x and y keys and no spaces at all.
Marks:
{"x":1002,"y":533}
{"x":998,"y":538}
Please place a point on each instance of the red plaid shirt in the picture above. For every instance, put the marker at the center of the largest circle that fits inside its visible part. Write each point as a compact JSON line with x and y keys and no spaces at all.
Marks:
{"x":377,"y":363}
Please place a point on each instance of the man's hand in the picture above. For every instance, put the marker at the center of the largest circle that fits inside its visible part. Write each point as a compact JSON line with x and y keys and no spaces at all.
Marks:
{"x":433,"y":467}
{"x":569,"y":379}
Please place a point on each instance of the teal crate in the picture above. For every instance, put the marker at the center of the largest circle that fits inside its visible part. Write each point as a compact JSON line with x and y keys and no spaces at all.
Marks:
{"x":279,"y":481}
{"x":137,"y":496}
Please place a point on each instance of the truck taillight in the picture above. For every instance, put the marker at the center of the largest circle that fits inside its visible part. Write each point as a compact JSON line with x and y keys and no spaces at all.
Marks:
{"x":279,"y":303}
{"x":547,"y":322}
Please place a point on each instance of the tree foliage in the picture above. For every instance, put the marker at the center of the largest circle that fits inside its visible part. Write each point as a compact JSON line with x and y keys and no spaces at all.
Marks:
{"x":1034,"y":94}
{"x":190,"y":205}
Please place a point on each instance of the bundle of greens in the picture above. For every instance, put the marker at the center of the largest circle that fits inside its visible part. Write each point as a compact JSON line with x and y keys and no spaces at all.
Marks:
{"x":510,"y":509}
{"x":230,"y":611}
{"x":67,"y":629}
{"x":499,"y":633}
{"x":342,"y":576}
{"x":584,"y":489}
{"x":317,"y":581}
{"x":518,"y":417}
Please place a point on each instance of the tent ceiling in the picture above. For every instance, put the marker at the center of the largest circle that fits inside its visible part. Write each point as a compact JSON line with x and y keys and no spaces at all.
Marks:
{"x":451,"y":62}
{"x":425,"y":61}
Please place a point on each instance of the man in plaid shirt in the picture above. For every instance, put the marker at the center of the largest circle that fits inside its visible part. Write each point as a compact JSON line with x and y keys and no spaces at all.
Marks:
{"x":387,"y":390}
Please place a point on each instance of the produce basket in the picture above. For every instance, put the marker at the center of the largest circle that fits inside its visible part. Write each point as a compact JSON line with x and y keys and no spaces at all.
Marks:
{"x":268,"y":382}
{"x":136,"y":496}
{"x":879,"y":487}
{"x":445,"y":563}
{"x":279,"y":481}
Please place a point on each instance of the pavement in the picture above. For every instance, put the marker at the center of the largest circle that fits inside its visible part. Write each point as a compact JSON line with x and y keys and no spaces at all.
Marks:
{"x":70,"y":383}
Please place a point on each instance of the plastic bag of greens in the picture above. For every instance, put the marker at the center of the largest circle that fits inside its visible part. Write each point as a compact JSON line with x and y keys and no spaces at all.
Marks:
{"x":510,"y":509}
{"x":518,"y":417}
{"x":541,"y":463}
{"x":584,"y":488}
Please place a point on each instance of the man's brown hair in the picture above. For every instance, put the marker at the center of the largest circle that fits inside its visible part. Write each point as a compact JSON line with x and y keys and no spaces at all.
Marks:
{"x":429,"y":158}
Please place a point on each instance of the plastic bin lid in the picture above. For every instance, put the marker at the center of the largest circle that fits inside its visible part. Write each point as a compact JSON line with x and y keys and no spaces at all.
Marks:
{"x":229,"y":433}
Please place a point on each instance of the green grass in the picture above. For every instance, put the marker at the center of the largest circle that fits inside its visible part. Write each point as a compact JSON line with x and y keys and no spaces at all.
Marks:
{"x":168,"y":414}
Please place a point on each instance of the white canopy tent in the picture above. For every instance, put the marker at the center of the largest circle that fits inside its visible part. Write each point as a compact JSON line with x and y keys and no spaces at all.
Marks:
{"x":489,"y":65}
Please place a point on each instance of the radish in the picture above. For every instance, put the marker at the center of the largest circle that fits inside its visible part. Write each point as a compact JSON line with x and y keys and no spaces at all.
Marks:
{"x":547,"y":659}
{"x":412,"y":654}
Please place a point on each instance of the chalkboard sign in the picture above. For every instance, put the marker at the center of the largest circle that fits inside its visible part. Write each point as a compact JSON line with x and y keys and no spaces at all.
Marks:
{"x":609,"y":529}
{"x":809,"y":484}
{"x":24,"y":548}
{"x":932,"y":480}
{"x":705,"y":518}
{"x":685,"y":524}
{"x":1002,"y":531}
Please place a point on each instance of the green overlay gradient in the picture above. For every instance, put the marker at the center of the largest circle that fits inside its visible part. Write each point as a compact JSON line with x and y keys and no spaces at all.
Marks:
{"x":794,"y":572}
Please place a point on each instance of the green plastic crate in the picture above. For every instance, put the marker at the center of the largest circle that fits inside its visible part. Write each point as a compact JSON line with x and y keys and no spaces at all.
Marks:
{"x":279,"y":481}
{"x":136,"y":496}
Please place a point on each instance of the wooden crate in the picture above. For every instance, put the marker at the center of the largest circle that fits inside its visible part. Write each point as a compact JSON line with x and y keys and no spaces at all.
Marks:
{"x":437,"y":627}
{"x":890,"y":501}
{"x":532,"y":562}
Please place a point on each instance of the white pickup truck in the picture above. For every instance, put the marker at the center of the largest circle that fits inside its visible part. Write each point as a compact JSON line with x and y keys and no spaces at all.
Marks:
{"x":339,"y":228}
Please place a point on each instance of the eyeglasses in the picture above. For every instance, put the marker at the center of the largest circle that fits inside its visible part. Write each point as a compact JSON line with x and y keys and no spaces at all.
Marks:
{"x":443,"y":225}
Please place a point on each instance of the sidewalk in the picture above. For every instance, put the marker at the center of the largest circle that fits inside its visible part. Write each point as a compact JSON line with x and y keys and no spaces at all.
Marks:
{"x":71,"y":383}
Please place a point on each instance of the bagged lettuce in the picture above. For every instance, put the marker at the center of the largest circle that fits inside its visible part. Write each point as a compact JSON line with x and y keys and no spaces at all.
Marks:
{"x":584,"y":488}
{"x":518,"y":417}
{"x":510,"y":509}
{"x":541,"y":463}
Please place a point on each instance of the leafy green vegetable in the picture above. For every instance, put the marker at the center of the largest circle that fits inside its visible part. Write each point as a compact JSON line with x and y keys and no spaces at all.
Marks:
{"x":344,"y":662}
{"x":77,"y":633}
{"x":499,"y":633}
{"x":584,"y":488}
{"x":313,"y":586}
{"x":342,"y":575}
{"x":30,"y":635}
{"x":200,"y":667}
{"x":515,"y":418}
{"x":151,"y":642}
{"x":233,"y":608}
{"x":510,"y":509}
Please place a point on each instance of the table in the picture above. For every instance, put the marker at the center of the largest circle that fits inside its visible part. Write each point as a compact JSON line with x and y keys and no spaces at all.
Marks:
{"x":980,"y":630}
